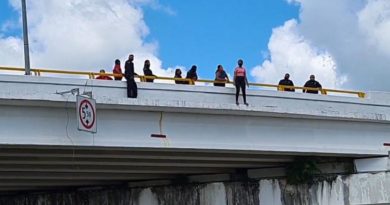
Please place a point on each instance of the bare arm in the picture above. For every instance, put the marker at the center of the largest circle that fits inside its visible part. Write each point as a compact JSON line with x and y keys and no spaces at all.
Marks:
{"x":234,"y":78}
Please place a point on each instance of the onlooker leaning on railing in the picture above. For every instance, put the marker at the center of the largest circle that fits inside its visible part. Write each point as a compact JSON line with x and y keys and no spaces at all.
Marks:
{"x":103,"y":75}
{"x":117,"y":70}
{"x":192,"y":75}
{"x":177,"y":76}
{"x":148,"y":72}
{"x":220,"y":75}
{"x":286,"y":82}
{"x":312,"y":83}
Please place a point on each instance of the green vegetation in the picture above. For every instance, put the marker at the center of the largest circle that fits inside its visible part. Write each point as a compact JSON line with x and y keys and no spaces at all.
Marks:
{"x":302,"y":171}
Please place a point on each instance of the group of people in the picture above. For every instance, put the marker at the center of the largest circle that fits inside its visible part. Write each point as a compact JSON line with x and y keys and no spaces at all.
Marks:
{"x":240,"y":78}
{"x":313,"y":85}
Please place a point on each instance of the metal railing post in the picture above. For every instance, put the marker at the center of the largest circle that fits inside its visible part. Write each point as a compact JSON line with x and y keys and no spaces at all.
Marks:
{"x":25,"y":37}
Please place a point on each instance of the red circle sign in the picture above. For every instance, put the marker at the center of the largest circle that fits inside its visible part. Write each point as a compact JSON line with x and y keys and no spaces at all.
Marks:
{"x":87,"y":114}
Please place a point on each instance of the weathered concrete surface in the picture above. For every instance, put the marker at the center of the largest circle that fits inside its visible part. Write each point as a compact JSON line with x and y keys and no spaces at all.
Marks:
{"x":367,"y":189}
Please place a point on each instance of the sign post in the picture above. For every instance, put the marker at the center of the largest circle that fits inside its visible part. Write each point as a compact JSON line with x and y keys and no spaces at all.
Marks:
{"x":86,"y":114}
{"x":25,"y":37}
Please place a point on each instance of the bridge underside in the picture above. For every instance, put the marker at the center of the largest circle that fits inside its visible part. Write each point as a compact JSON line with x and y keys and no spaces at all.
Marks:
{"x":26,"y":167}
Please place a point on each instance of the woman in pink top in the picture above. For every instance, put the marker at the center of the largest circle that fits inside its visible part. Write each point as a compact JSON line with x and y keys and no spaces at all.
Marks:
{"x":117,"y":69}
{"x":240,"y":81}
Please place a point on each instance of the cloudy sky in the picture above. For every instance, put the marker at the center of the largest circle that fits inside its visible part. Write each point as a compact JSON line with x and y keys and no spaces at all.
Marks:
{"x":345,"y":43}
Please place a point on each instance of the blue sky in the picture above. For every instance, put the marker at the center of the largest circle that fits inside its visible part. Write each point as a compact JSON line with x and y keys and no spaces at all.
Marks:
{"x":205,"y":33}
{"x":208,"y":33}
{"x":8,"y":14}
{"x":340,"y":41}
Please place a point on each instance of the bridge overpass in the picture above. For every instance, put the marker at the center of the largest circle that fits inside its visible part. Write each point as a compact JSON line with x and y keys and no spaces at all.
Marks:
{"x":206,"y":132}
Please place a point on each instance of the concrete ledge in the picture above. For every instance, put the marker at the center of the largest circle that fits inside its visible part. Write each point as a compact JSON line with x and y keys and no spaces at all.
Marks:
{"x":38,"y":91}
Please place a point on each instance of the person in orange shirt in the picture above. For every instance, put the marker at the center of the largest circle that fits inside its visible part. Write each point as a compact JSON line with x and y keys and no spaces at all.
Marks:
{"x":240,"y":81}
{"x":103,"y":75}
{"x":117,"y":69}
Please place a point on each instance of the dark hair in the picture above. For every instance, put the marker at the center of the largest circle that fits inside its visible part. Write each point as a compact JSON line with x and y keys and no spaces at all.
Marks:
{"x":146,"y":61}
{"x":219,"y":66}
{"x":193,"y":68}
{"x":117,"y":62}
{"x":177,"y":71}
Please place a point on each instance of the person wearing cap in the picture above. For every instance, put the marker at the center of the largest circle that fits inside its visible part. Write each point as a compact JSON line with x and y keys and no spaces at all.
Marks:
{"x":312,"y":83}
{"x":103,"y":75}
{"x":240,"y":81}
{"x":287,"y":82}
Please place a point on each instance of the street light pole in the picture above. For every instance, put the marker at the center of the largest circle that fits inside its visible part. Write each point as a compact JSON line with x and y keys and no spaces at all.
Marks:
{"x":25,"y":37}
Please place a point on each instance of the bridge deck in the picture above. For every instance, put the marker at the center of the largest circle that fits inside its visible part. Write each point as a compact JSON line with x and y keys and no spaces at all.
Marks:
{"x":206,"y":132}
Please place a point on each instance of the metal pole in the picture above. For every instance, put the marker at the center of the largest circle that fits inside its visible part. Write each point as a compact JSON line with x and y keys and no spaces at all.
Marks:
{"x":25,"y":37}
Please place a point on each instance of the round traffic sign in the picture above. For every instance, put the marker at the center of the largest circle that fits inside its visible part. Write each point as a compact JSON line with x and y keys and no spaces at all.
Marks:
{"x":87,"y":114}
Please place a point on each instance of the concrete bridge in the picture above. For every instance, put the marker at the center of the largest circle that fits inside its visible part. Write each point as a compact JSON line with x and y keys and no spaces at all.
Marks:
{"x":206,"y":132}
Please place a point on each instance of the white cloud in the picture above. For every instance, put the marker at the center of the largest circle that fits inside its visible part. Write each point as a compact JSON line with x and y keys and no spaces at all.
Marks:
{"x":374,"y":22}
{"x":345,"y":41}
{"x":291,"y":53}
{"x":11,"y":49}
{"x":83,"y":35}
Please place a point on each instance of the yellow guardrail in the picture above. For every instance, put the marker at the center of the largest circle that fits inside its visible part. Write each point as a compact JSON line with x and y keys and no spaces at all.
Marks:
{"x":92,"y":75}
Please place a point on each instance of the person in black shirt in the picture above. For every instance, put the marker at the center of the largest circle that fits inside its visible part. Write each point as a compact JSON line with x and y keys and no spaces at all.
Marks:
{"x":288,"y":82}
{"x":191,"y":74}
{"x":148,"y":72}
{"x":312,"y":83}
{"x":132,"y":90}
{"x":220,"y":75}
{"x":178,"y":75}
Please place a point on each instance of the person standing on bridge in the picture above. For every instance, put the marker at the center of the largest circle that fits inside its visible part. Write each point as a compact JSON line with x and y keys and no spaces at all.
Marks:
{"x":312,"y":83}
{"x":117,"y":70}
{"x":132,"y":90}
{"x":240,"y":81}
{"x":286,"y":81}
{"x":148,"y":72}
